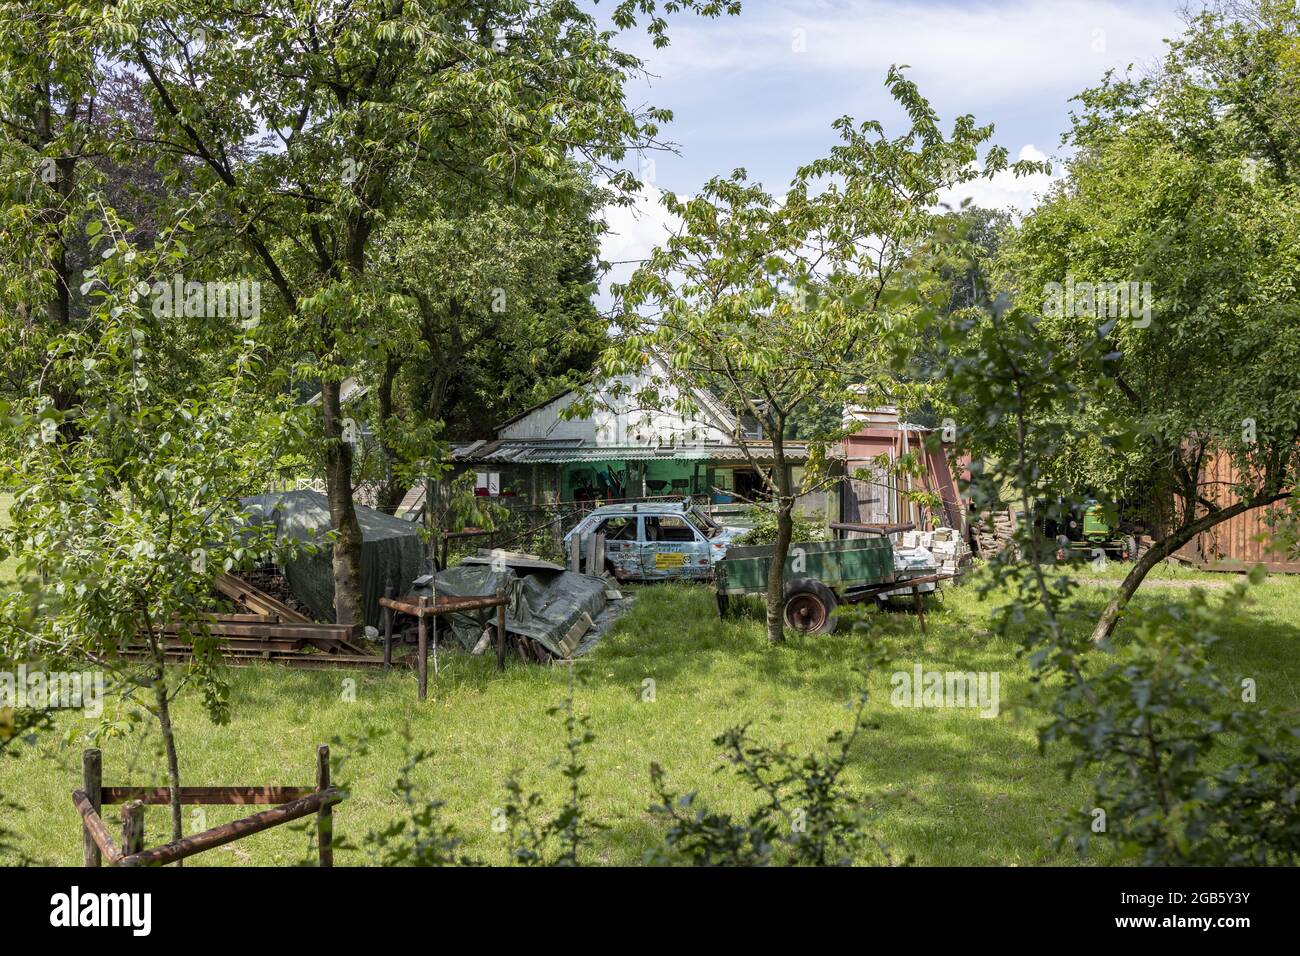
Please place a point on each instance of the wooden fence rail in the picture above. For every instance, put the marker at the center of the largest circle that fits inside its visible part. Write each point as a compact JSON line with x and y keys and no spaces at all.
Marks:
{"x":291,"y":803}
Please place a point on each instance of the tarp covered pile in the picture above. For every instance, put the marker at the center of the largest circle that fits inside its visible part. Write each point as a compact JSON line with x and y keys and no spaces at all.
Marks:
{"x":560,"y":610}
{"x":391,"y":550}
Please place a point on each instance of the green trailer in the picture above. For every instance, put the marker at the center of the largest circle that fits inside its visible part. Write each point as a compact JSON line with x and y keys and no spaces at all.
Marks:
{"x":819,"y":576}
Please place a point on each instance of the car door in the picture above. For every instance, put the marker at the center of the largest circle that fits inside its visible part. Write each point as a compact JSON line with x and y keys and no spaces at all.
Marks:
{"x":672,"y":548}
{"x":622,"y":545}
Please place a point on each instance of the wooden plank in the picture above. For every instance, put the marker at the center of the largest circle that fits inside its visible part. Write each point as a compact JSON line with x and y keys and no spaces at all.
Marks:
{"x":422,"y":658}
{"x":210,"y":796}
{"x":872,"y":527}
{"x":259,"y":601}
{"x":295,"y":631}
{"x":92,"y":774}
{"x":243,"y":658}
{"x":132,"y":827}
{"x":229,"y":832}
{"x":324,"y":815}
{"x":94,"y":826}
{"x":244,"y":618}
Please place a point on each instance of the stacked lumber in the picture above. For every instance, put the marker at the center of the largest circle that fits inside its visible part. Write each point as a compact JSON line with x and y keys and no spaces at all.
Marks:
{"x":257,"y":600}
{"x":993,"y":532}
{"x":268,"y":630}
{"x":243,"y":656}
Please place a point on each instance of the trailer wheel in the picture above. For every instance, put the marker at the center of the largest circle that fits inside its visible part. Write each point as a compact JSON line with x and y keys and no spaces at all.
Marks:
{"x":809,"y":606}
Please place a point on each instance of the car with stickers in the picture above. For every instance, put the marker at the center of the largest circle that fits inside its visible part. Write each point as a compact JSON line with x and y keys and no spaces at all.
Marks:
{"x":654,"y":541}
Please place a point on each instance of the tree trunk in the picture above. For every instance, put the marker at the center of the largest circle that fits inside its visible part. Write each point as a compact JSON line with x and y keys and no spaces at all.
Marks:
{"x":776,"y":572}
{"x":784,"y":532}
{"x":168,"y":734}
{"x":343,"y":512}
{"x":1162,"y":549}
{"x":391,"y":491}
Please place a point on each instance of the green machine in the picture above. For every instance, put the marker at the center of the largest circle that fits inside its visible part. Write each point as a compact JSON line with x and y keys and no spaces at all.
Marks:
{"x":1085,"y":527}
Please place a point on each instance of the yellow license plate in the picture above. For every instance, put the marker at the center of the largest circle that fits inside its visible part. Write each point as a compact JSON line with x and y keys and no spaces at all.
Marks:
{"x":669,"y":559}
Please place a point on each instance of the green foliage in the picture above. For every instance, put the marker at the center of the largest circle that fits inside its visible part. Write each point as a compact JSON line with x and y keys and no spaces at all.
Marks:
{"x":126,"y":503}
{"x":806,"y":815}
{"x":764,"y":529}
{"x":1152,"y":725}
{"x":1150,"y":721}
{"x":1184,"y":179}
{"x":783,"y":305}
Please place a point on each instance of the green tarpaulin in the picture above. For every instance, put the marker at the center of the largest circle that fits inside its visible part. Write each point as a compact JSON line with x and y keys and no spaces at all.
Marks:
{"x":561,"y":610}
{"x":391,"y":550}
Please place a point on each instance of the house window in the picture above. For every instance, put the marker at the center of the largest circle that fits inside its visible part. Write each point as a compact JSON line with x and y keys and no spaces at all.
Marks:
{"x":487,"y":483}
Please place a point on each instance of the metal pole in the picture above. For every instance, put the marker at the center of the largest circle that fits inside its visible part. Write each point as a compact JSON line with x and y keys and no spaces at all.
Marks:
{"x":423,"y":654}
{"x":390,"y":593}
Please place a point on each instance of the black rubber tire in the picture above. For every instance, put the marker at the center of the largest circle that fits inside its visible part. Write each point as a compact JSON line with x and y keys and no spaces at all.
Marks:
{"x":724,"y":605}
{"x":809,"y":606}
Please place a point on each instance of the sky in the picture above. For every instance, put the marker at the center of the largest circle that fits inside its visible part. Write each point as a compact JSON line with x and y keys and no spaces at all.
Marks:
{"x":760,"y":90}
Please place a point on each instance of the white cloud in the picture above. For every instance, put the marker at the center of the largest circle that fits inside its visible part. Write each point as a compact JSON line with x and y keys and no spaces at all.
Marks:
{"x":1005,"y":190}
{"x":983,"y":52}
{"x":633,"y":231}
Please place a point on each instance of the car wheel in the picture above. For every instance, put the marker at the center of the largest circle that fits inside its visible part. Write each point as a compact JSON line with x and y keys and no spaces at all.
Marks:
{"x":809,"y":606}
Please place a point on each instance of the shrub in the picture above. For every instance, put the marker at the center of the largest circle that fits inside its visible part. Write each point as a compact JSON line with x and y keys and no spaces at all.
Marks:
{"x":1155,"y":727}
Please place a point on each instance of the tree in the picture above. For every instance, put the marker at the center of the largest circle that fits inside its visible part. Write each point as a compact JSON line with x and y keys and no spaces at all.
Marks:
{"x":49,"y":98}
{"x":120,"y":522}
{"x":308,"y":124}
{"x":1175,"y":234}
{"x":456,"y":360}
{"x":773,"y":303}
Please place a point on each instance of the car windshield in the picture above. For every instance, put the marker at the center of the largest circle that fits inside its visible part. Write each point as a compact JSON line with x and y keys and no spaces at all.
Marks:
{"x":702,"y":523}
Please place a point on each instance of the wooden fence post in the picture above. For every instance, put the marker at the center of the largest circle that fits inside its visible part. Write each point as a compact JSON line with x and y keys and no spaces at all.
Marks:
{"x":132,"y":827}
{"x":92,"y":778}
{"x":390,"y":593}
{"x":501,"y":630}
{"x":422,"y":659}
{"x":325,"y":815}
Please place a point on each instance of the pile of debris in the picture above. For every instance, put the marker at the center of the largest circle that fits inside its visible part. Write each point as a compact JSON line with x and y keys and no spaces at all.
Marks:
{"x":551,"y":614}
{"x":270,"y":580}
{"x":261,"y":628}
{"x":950,"y":551}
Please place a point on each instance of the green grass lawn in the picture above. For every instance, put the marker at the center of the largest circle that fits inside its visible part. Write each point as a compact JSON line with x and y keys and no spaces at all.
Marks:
{"x":948,"y":786}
